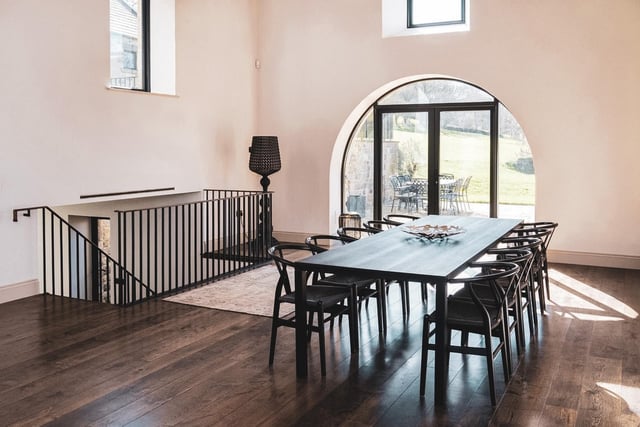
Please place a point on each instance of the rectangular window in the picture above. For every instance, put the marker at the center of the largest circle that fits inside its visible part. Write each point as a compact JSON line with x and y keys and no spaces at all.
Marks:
{"x":427,"y":13}
{"x":129,"y":27}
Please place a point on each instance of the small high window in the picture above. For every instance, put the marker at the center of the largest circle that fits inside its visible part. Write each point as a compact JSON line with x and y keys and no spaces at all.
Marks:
{"x":426,"y":13}
{"x":422,"y":17}
{"x":129,"y":27}
{"x":143,"y":45}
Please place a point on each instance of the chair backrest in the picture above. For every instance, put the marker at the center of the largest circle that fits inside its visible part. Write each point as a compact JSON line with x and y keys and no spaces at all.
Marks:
{"x":465,"y":184}
{"x":491,"y":272}
{"x":520,"y":256}
{"x":322,"y":242}
{"x":421,"y":187}
{"x":399,"y":219}
{"x":532,"y":243}
{"x":378,"y":225}
{"x":280,"y":254}
{"x":395,"y":183}
{"x":533,"y":233}
{"x":516,"y":255}
{"x":356,"y":232}
{"x":404,"y":179}
{"x":542,"y":229}
{"x":458,"y":185}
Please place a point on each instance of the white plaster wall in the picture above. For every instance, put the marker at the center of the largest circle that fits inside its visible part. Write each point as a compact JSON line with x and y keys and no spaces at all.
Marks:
{"x":569,"y":71}
{"x":163,"y":46}
{"x":63,"y":134}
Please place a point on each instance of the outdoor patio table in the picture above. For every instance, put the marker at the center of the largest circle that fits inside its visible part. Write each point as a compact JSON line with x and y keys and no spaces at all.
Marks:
{"x":397,"y":255}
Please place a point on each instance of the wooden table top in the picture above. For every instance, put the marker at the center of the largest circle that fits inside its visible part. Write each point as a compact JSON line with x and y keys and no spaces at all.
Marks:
{"x":395,"y":254}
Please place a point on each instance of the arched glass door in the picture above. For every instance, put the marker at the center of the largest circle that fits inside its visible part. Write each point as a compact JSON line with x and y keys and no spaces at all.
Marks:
{"x":438,"y":147}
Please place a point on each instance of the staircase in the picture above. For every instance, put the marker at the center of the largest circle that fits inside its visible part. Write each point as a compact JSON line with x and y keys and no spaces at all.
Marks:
{"x":161,"y":250}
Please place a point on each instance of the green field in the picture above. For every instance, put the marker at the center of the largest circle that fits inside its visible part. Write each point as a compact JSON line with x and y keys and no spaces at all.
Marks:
{"x":467,"y":154}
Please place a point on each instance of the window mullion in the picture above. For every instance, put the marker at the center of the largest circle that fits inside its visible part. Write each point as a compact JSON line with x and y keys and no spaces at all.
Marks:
{"x":146,"y":37}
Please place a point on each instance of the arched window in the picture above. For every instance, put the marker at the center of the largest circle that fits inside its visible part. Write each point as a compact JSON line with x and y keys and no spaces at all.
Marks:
{"x":438,"y":146}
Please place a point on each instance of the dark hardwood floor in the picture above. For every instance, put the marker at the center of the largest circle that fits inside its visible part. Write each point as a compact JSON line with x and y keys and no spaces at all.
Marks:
{"x":73,"y":363}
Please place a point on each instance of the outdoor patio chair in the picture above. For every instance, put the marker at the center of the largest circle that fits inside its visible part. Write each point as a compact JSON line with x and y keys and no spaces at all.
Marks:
{"x":401,"y":192}
{"x":464,"y":194}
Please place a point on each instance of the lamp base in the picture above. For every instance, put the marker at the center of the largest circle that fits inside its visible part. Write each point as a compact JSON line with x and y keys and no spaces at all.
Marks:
{"x":265,"y":181}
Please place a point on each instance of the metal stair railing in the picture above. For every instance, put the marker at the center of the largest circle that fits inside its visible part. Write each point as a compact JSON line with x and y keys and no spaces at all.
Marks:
{"x":73,"y":266}
{"x":161,"y":250}
{"x":177,"y":247}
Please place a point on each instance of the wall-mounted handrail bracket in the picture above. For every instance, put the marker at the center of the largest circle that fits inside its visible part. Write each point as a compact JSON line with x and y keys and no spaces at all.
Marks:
{"x":26,"y":212}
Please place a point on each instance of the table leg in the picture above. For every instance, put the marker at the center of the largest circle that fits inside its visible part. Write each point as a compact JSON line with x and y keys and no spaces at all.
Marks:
{"x":442,"y":361}
{"x":301,"y":323}
{"x":382,"y":307}
{"x":354,"y":328}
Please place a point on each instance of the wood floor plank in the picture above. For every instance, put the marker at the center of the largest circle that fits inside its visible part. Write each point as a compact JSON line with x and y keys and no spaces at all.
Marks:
{"x":598,"y":404}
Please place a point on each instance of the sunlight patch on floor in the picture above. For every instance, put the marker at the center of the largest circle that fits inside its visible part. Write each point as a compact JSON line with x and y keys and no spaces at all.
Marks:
{"x":631,"y":395}
{"x":576,"y":299}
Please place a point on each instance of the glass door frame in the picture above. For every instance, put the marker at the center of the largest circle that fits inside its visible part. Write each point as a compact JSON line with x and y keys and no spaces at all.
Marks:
{"x":433,"y":129}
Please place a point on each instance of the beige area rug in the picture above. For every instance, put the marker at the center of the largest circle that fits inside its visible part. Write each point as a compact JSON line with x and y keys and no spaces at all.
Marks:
{"x":251,"y":292}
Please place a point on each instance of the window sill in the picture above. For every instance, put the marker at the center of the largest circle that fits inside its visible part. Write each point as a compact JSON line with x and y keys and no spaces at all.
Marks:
{"x":419,"y":31}
{"x":140,"y":92}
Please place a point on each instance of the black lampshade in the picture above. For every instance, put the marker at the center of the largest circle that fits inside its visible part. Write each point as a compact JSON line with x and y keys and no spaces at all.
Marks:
{"x":265,"y":157}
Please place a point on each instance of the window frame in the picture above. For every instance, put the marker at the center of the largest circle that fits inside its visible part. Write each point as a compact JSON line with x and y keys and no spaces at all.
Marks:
{"x":411,"y":24}
{"x":145,"y":47}
{"x":146,"y":43}
{"x":434,"y":110}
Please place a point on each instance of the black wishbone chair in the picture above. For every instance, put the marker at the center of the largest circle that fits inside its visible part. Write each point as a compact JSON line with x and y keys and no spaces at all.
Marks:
{"x":510,"y":290}
{"x":371,"y":230}
{"x":534,"y":227}
{"x":362,"y":285}
{"x":478,"y":317}
{"x":325,"y":301}
{"x":537,"y":266}
{"x":527,"y":283}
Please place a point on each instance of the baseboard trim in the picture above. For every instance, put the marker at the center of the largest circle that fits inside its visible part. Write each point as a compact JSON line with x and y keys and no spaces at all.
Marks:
{"x":594,"y":259}
{"x":19,"y":290}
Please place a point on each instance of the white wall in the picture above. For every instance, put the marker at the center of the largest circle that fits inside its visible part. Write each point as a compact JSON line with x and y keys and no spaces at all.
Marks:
{"x":163,"y":46}
{"x":569,"y":72}
{"x":63,"y":134}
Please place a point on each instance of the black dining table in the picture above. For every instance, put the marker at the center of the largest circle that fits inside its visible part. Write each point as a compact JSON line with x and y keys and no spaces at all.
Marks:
{"x":397,"y":255}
